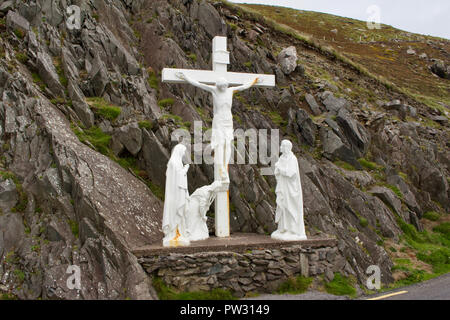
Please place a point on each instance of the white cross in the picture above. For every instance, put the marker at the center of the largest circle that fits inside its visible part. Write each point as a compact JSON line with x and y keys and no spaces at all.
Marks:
{"x":220,"y":62}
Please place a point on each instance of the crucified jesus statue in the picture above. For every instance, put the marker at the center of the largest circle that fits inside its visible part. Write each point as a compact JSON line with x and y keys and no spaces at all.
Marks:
{"x":222,"y":126}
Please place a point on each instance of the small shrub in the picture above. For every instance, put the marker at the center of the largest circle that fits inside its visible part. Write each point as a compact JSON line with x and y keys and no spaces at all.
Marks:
{"x":166,"y":102}
{"x":413,"y":276}
{"x":444,"y":229}
{"x":340,"y":286}
{"x":74,"y":227}
{"x":232,"y":26}
{"x":248,"y":64}
{"x":38,"y":81}
{"x":60,"y":71}
{"x":23,"y":58}
{"x":19,"y":33}
{"x":104,"y":109}
{"x":396,"y":191}
{"x":432,"y":216}
{"x":19,"y":274}
{"x":277,"y":119}
{"x":296,"y":285}
{"x":167,"y":293}
{"x":193,"y":57}
{"x":96,"y":137}
{"x":145,"y":124}
{"x":369,"y":165}
{"x":344,"y":165}
{"x":363,"y":222}
{"x":153,"y":80}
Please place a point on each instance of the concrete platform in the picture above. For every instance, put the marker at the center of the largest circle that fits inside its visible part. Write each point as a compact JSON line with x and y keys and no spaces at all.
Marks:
{"x":237,"y":242}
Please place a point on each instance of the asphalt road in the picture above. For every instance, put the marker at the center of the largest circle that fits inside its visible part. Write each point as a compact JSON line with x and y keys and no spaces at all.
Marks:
{"x":434,"y":289}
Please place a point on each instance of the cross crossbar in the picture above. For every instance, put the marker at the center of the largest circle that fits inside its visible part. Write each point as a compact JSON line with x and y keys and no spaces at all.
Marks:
{"x":211,"y":77}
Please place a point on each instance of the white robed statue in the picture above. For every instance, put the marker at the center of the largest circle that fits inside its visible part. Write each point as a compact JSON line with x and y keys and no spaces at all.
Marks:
{"x":198,"y":206}
{"x":174,"y":216}
{"x":289,"y":212}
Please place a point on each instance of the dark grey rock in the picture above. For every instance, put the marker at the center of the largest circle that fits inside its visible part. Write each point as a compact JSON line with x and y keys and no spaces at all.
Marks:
{"x":130,"y":136}
{"x":306,"y":127}
{"x":15,"y":21}
{"x":313,"y":104}
{"x":8,"y":195}
{"x":355,"y":133}
{"x":440,"y":69}
{"x":331,"y":103}
{"x":334,"y":148}
{"x":79,"y":104}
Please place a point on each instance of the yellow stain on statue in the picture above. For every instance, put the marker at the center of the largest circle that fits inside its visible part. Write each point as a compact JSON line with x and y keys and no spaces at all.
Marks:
{"x":174,"y":242}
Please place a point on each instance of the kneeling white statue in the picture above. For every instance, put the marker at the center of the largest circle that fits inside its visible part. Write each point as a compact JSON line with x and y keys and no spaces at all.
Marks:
{"x":175,"y":203}
{"x":289,"y":212}
{"x":198,"y":206}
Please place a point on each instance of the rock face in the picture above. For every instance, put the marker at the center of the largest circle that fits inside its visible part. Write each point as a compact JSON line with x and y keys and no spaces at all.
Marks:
{"x":83,"y":185}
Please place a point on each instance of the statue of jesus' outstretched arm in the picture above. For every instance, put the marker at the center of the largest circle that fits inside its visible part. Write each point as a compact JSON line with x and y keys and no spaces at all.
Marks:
{"x":195,"y":83}
{"x":246,"y":86}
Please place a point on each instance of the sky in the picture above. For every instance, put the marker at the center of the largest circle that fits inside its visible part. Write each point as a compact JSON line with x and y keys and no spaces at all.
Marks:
{"x":431,"y":17}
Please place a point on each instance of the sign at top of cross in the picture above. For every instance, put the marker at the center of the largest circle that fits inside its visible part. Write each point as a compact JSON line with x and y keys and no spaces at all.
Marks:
{"x":220,"y":62}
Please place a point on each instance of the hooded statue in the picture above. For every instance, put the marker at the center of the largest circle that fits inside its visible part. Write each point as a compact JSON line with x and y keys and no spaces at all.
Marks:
{"x":174,"y":224}
{"x":198,"y":206}
{"x":289,"y":213}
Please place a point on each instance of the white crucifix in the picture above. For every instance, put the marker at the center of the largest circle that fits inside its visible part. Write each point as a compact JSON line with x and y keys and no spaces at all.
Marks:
{"x":222,"y":85}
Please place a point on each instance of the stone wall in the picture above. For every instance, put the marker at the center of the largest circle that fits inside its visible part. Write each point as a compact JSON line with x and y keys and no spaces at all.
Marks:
{"x":243,"y":272}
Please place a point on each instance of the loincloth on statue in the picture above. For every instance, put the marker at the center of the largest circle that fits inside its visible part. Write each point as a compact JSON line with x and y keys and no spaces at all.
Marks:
{"x":222,"y":131}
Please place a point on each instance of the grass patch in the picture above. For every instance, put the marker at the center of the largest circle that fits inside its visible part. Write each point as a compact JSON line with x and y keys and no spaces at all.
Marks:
{"x":153,"y":80}
{"x":296,"y":285}
{"x":432,"y":248}
{"x":432,"y":216}
{"x":19,"y":33}
{"x":20,"y":275}
{"x":38,"y":81}
{"x":103,"y":108}
{"x":8,"y":296}
{"x":167,"y":293}
{"x":277,"y":119}
{"x":248,"y":64}
{"x":193,"y":57}
{"x":60,"y":71}
{"x":145,"y":124}
{"x":22,"y":57}
{"x":95,"y":136}
{"x":74,"y":227}
{"x":372,"y":166}
{"x":443,"y":229}
{"x":340,"y":286}
{"x":166,"y":102}
{"x":363,"y":222}
{"x":345,"y":165}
